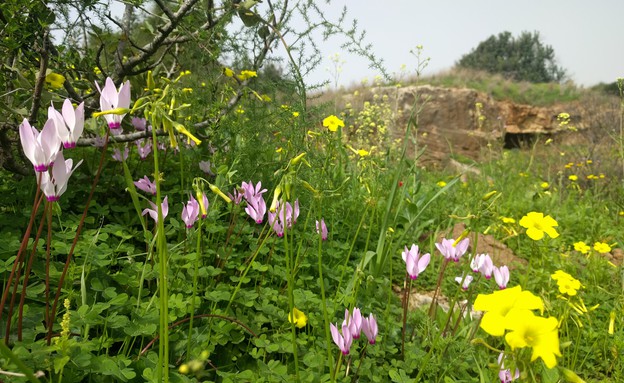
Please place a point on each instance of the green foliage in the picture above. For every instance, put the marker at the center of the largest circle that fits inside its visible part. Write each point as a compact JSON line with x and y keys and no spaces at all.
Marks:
{"x":522,"y":58}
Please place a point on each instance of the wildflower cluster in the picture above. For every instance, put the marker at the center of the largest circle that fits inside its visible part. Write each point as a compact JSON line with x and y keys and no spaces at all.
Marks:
{"x":368,"y":127}
{"x":44,"y":149}
{"x":352,"y":327}
{"x":566,"y":283}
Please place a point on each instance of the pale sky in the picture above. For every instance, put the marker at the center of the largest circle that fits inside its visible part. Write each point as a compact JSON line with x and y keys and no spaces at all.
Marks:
{"x":587,"y":36}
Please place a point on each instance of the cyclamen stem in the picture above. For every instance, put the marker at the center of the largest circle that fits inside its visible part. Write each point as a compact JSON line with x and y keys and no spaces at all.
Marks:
{"x":33,"y":254}
{"x":18,"y":258}
{"x":406,"y":295}
{"x":78,"y":231}
{"x":437,"y":290}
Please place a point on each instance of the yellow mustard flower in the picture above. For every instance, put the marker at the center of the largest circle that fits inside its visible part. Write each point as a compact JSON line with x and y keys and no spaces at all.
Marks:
{"x":612,"y":323}
{"x":602,"y":247}
{"x":544,"y":185}
{"x":54,"y":80}
{"x":441,"y":184}
{"x":247,"y":74}
{"x":228,"y":72}
{"x":332,"y":123}
{"x":363,"y":153}
{"x":295,"y":114}
{"x":537,"y":224}
{"x":507,"y":220}
{"x":541,"y":334}
{"x":573,"y":178}
{"x":298,"y":318}
{"x":567,"y":283}
{"x":582,"y":247}
{"x":500,"y":304}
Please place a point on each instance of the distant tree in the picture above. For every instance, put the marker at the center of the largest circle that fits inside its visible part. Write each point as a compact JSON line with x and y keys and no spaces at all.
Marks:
{"x":525,"y":58}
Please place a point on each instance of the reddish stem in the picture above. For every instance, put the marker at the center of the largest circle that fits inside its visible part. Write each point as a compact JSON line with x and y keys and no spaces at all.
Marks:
{"x":26,"y":277}
{"x":18,"y":258}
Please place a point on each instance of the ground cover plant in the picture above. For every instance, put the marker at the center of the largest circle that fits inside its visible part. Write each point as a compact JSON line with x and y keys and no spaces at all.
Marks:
{"x":252,"y":238}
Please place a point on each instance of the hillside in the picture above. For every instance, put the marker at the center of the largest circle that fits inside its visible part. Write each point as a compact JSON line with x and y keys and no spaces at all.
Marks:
{"x":462,"y":112}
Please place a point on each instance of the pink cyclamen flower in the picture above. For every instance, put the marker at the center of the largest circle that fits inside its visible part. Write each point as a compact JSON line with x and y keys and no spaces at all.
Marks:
{"x":487,"y":267}
{"x":464,"y":281}
{"x":342,"y":341}
{"x":451,"y":252}
{"x":120,"y":156}
{"x":146,"y":185}
{"x":42,"y":147}
{"x":54,"y":185}
{"x":353,"y":322}
{"x":144,"y":148}
{"x":283,"y":217}
{"x":256,"y":208}
{"x":504,"y":374}
{"x":139,"y":123}
{"x":111,"y":99}
{"x":74,"y":124}
{"x":321,"y":228}
{"x":501,"y":275}
{"x":414,"y":262}
{"x":250,"y":191}
{"x":190,"y":212}
{"x":369,"y":327}
{"x":153,"y":212}
{"x":236,"y":196}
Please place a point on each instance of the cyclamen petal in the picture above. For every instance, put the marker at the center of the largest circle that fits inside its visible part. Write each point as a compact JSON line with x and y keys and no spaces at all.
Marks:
{"x":369,"y":327}
{"x":54,"y":185}
{"x":190,"y":212}
{"x":321,"y":228}
{"x":414,"y":262}
{"x":501,"y":275}
{"x":110,"y":99}
{"x":42,"y":147}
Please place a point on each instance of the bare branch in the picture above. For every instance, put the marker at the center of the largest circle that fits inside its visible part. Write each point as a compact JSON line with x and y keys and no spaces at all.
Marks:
{"x":151,"y":48}
{"x":128,"y":137}
{"x":39,"y":84}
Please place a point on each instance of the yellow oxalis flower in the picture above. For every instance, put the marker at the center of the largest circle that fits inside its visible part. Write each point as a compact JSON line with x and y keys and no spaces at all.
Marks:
{"x":441,"y":184}
{"x":541,"y":334}
{"x":499,"y":304}
{"x":298,"y":318}
{"x":228,"y":72}
{"x":567,"y":283}
{"x":573,"y":178}
{"x":54,"y":80}
{"x":507,"y":220}
{"x":537,"y":224}
{"x":602,"y":247}
{"x":332,"y":123}
{"x":247,"y":74}
{"x":581,"y":247}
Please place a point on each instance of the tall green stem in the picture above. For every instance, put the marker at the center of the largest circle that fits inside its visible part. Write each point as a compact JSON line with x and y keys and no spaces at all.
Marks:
{"x":161,"y":241}
{"x":195,"y":273}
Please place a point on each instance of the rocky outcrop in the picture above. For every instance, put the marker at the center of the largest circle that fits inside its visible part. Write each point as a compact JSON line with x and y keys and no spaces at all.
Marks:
{"x":463,"y":121}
